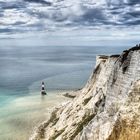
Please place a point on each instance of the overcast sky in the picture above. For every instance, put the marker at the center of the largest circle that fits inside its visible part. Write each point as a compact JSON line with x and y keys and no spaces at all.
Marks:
{"x":69,"y":22}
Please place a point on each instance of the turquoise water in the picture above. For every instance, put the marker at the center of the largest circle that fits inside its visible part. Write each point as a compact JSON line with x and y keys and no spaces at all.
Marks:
{"x":21,"y":71}
{"x":20,"y":115}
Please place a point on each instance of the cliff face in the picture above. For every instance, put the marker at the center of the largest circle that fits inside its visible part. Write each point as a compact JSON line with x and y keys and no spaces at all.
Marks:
{"x":107,"y":108}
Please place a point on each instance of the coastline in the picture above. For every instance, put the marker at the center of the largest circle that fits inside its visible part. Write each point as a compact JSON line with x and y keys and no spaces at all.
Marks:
{"x":104,"y":108}
{"x":19,"y":116}
{"x":39,"y":129}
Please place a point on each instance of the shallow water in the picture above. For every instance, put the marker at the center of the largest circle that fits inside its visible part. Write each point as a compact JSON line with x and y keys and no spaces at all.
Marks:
{"x":21,"y":71}
{"x":22,"y":114}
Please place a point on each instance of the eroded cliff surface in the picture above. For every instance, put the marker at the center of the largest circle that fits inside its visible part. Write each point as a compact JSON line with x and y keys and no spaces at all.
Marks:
{"x":107,"y":108}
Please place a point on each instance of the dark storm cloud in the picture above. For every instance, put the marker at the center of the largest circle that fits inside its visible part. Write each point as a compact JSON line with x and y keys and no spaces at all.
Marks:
{"x":38,"y":15}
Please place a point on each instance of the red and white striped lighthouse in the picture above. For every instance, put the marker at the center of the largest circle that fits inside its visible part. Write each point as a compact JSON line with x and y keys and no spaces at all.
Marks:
{"x":43,"y":92}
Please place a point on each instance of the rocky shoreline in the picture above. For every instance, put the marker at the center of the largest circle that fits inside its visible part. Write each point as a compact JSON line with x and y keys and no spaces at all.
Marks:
{"x":107,"y":108}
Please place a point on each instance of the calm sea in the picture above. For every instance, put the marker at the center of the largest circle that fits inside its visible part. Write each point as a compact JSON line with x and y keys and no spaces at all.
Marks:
{"x":61,"y":67}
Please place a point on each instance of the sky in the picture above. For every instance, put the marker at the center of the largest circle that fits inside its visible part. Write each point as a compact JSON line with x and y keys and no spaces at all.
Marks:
{"x":69,"y":22}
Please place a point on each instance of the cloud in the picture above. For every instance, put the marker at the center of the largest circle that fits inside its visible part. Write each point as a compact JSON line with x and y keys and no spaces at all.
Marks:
{"x":133,"y":2}
{"x":5,"y":30}
{"x":39,"y":1}
{"x":12,"y":5}
{"x":51,"y":15}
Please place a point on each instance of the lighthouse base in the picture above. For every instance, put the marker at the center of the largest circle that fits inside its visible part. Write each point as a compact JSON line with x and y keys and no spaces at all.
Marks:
{"x":43,"y":93}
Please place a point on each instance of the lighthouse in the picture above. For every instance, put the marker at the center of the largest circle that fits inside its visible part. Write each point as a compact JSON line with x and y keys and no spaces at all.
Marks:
{"x":43,"y":92}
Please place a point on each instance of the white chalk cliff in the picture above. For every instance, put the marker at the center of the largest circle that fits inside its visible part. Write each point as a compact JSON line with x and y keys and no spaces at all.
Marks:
{"x":107,"y":108}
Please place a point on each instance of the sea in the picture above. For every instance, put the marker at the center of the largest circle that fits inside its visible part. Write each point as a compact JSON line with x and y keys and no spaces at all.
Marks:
{"x":23,"y":68}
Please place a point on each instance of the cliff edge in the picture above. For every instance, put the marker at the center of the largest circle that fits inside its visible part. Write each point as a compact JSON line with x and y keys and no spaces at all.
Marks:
{"x":107,"y":108}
